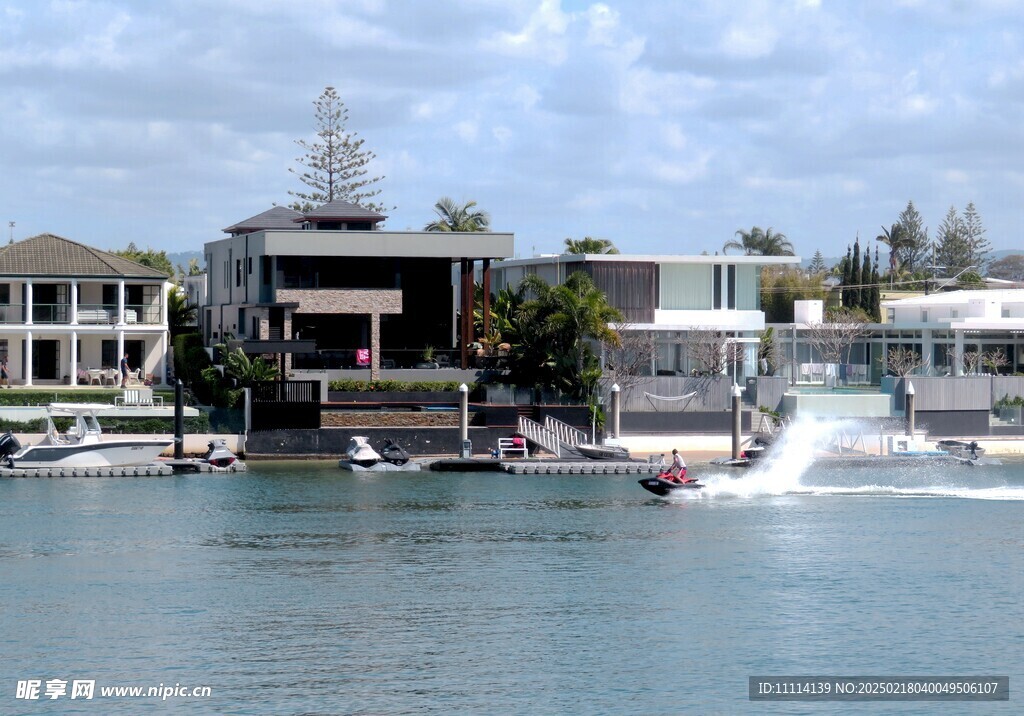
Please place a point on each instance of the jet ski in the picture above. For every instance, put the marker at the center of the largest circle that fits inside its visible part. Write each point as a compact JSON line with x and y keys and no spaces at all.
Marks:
{"x":394,"y":453}
{"x":661,"y":485}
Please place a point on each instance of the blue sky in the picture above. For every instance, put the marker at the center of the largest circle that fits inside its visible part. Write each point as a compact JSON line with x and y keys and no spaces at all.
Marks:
{"x":663,"y":126}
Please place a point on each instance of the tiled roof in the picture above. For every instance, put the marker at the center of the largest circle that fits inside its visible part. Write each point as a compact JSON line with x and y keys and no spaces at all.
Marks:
{"x":339,"y":209}
{"x":49,"y":255}
{"x":280,"y":217}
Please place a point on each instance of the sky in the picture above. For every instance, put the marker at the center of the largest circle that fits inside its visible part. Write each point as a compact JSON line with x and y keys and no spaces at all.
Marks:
{"x":663,"y":126}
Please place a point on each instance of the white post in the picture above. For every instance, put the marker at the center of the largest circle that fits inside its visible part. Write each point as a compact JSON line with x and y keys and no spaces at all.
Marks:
{"x":74,"y":357}
{"x":163,"y":304}
{"x":463,"y":416}
{"x":161,"y":378}
{"x":120,"y":351}
{"x":28,"y":303}
{"x":737,"y":425}
{"x":616,"y":391}
{"x":74,"y":303}
{"x":120,"y":305}
{"x":910,"y":409}
{"x":27,"y":368}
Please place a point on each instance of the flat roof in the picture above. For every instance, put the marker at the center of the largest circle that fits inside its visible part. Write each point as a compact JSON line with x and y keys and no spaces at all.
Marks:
{"x":652,"y":258}
{"x":945,"y":298}
{"x":453,"y":245}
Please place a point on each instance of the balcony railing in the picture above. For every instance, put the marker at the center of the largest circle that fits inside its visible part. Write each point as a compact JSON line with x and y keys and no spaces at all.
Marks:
{"x":88,"y":313}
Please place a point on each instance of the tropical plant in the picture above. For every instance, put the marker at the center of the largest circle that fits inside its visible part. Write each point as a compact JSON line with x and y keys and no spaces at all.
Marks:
{"x":181,"y":314}
{"x":455,"y":217}
{"x":590,"y":245}
{"x":760,"y":242}
{"x":554,"y":327}
{"x":334,"y":166}
{"x":245,"y":370}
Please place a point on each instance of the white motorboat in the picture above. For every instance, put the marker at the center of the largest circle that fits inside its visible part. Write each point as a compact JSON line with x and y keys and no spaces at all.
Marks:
{"x":82,"y":445}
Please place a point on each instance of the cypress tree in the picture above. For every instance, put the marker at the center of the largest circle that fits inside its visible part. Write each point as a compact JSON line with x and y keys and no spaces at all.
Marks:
{"x":855,"y":275}
{"x":846,"y":295}
{"x":876,"y":299}
{"x":865,"y":279}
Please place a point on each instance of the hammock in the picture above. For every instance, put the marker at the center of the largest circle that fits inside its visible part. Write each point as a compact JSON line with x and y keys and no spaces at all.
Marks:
{"x":651,"y":398}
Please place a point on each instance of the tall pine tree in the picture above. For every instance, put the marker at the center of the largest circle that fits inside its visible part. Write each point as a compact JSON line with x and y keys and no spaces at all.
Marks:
{"x":334,"y":166}
{"x":974,"y":234}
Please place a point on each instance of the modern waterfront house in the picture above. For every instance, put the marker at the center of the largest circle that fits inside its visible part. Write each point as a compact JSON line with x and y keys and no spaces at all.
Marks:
{"x":669,"y":296}
{"x":330,"y":288}
{"x":938,"y":327}
{"x":68,"y":312}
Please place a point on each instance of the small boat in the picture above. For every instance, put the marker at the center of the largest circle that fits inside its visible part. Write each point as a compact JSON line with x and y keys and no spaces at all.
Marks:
{"x":661,"y":486}
{"x":82,"y":445}
{"x":603,"y":452}
{"x":968,"y":450}
{"x":359,"y":454}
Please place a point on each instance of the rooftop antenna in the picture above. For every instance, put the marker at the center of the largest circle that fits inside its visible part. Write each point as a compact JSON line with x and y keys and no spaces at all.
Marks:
{"x":10,"y":225}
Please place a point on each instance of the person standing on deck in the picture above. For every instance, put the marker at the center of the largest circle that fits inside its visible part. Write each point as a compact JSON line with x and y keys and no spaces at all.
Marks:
{"x":124,"y":371}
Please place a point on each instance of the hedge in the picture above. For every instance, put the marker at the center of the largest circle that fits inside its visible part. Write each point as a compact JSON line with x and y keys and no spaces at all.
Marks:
{"x":126,"y":426}
{"x":396,"y":386}
{"x":45,"y":397}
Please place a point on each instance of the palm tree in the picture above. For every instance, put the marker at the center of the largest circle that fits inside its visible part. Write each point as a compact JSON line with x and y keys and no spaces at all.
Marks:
{"x":452,"y":217}
{"x":758,"y":242}
{"x":590,"y":245}
{"x":555,"y":327}
{"x":181,"y":315}
{"x":898,"y":241}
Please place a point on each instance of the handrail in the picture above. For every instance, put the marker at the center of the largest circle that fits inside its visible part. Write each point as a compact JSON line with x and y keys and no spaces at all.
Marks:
{"x":564,"y":432}
{"x":537,"y":433}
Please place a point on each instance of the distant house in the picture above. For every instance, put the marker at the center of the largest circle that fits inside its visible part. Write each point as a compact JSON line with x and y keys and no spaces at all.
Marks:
{"x":67,"y":309}
{"x":330,"y":289}
{"x":669,"y":296}
{"x":938,"y":327}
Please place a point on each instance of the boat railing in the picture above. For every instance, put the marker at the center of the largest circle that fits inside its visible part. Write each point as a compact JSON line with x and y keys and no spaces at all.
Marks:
{"x":537,"y":433}
{"x":565,"y":432}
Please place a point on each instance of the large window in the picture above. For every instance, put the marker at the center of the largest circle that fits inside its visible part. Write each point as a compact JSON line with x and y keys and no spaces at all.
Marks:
{"x":686,"y":287}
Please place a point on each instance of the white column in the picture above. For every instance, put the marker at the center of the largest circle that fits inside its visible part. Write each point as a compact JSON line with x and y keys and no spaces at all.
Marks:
{"x":958,"y":352}
{"x":74,"y":348}
{"x":120,"y":307}
{"x":74,"y":304}
{"x":120,"y":350}
{"x":161,"y":377}
{"x":28,"y":303}
{"x":163,"y":304}
{"x":27,"y":368}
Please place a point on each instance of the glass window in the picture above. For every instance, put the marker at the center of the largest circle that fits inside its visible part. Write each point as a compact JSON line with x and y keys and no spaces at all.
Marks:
{"x":685,"y":287}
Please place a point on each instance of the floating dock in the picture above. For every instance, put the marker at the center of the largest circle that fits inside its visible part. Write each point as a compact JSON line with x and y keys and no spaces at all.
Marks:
{"x":589,"y":467}
{"x":161,"y":469}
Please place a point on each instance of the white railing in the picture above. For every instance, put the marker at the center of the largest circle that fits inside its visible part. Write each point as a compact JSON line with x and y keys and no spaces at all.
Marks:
{"x":565,"y":433}
{"x":540,"y":435}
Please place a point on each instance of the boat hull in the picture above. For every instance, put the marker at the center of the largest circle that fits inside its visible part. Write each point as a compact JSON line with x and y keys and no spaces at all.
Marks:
{"x":603,"y":452}
{"x":112,"y":453}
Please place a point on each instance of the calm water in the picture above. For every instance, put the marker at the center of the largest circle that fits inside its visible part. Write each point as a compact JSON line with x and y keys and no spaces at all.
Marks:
{"x":299,"y":588}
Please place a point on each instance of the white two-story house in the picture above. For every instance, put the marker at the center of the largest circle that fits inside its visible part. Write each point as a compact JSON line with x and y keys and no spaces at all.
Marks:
{"x":68,"y":312}
{"x":669,"y":296}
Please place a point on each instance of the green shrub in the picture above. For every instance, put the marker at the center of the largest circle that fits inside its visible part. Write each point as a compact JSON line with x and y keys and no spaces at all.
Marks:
{"x":348,"y":385}
{"x":1007,"y":402}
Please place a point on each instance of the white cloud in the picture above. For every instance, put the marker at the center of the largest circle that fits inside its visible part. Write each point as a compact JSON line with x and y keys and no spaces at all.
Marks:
{"x":542,"y":37}
{"x":467,"y":130}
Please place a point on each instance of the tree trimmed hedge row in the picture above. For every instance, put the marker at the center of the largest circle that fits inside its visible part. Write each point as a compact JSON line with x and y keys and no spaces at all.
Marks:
{"x":21,"y":397}
{"x":396,"y":386}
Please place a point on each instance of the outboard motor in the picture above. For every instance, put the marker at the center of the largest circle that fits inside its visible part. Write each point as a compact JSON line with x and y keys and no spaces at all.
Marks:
{"x":8,"y":444}
{"x":218,"y":455}
{"x":393,"y":453}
